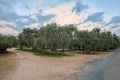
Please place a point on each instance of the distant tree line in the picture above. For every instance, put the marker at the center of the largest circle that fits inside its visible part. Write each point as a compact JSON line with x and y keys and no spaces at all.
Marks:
{"x":54,"y":37}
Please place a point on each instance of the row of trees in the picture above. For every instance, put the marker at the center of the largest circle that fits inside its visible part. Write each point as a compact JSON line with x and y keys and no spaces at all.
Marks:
{"x":95,"y":40}
{"x":7,"y":41}
{"x":53,"y":37}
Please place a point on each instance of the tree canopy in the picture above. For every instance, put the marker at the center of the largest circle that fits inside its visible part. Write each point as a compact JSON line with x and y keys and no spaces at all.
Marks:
{"x":53,"y":37}
{"x":7,"y":41}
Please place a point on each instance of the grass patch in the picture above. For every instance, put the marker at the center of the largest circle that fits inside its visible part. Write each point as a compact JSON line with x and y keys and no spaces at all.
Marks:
{"x":60,"y":54}
{"x":45,"y":53}
{"x":67,"y":50}
{"x":79,"y":52}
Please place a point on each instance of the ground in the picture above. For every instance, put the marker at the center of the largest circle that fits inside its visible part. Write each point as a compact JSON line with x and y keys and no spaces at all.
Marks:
{"x":32,"y":67}
{"x":8,"y":63}
{"x":105,"y":69}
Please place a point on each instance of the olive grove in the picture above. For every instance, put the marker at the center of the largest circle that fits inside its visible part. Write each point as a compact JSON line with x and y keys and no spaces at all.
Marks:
{"x":54,"y":37}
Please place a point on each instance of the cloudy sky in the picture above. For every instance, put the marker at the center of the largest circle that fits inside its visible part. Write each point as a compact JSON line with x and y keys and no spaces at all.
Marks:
{"x":84,"y":14}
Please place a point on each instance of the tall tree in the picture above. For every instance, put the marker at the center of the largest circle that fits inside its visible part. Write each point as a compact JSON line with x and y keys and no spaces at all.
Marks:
{"x":49,"y":36}
{"x":27,"y":37}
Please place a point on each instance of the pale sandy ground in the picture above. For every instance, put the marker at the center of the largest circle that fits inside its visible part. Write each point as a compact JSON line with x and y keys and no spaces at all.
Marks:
{"x":32,"y":67}
{"x":8,"y":63}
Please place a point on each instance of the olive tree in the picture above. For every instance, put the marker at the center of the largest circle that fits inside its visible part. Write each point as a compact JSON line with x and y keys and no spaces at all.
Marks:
{"x":7,"y":41}
{"x":27,"y":38}
{"x":48,"y":36}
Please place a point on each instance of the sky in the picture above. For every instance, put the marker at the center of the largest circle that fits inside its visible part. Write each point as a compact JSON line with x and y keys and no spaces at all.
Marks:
{"x":84,"y":14}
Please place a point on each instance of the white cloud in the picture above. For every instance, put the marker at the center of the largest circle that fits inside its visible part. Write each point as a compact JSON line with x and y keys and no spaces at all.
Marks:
{"x":107,"y":18}
{"x":113,"y":28}
{"x":5,"y":28}
{"x":8,"y":30}
{"x":27,"y":12}
{"x":34,"y":17}
{"x":32,"y":26}
{"x":24,"y":20}
{"x":8,"y":23}
{"x":22,"y":10}
{"x":64,"y":14}
{"x":88,"y":26}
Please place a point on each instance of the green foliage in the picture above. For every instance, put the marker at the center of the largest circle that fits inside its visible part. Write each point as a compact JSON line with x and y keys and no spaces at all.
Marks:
{"x":48,"y":37}
{"x":96,"y":40}
{"x":66,"y":35}
{"x":45,"y":53}
{"x":53,"y":37}
{"x":7,"y":41}
{"x":28,"y":38}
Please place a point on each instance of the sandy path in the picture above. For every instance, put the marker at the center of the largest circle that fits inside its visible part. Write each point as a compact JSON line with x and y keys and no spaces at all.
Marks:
{"x":34,"y":67}
{"x":8,"y":63}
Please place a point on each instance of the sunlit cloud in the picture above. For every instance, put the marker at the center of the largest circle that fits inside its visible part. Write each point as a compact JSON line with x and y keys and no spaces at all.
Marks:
{"x":84,"y":14}
{"x":88,"y":26}
{"x":24,"y":20}
{"x":8,"y":30}
{"x":8,"y":24}
{"x":32,"y":26}
{"x":65,"y":15}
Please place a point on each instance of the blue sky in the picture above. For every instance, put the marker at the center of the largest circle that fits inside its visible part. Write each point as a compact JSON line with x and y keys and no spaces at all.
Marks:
{"x":85,"y":14}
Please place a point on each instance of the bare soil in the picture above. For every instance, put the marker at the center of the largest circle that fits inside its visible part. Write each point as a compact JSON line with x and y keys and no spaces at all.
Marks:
{"x":32,"y":67}
{"x":8,"y":63}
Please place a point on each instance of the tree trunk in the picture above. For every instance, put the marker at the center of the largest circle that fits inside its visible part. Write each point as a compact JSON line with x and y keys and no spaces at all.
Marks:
{"x":3,"y":50}
{"x":79,"y":47}
{"x":54,"y":50}
{"x":63,"y":50}
{"x":86,"y":50}
{"x":21,"y":47}
{"x":35,"y":48}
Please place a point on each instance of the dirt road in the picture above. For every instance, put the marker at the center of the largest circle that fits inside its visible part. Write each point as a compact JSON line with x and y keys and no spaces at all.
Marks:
{"x":32,"y":67}
{"x":107,"y":69}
